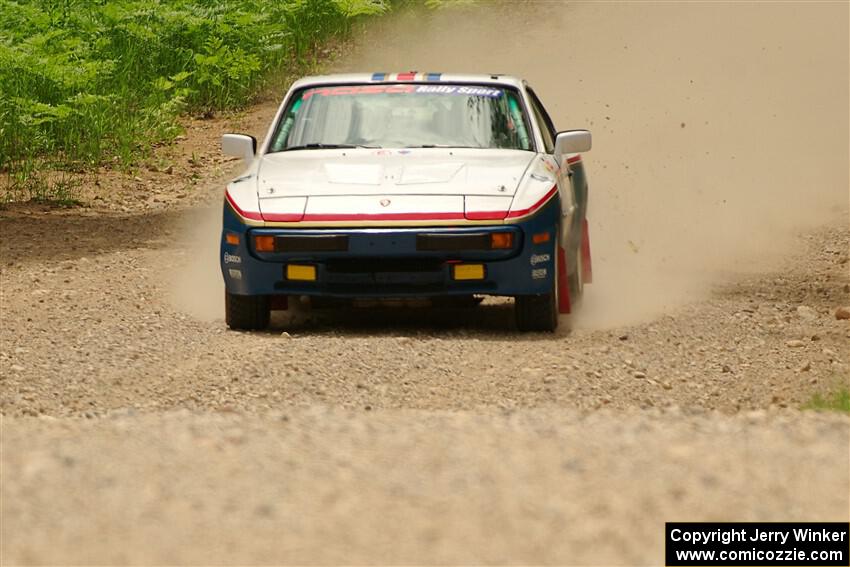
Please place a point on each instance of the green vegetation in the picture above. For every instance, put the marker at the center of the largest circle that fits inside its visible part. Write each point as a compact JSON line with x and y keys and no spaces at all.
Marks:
{"x":91,"y":82}
{"x":837,"y":400}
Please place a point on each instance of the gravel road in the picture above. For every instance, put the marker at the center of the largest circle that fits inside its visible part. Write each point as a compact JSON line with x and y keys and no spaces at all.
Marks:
{"x":326,"y":485}
{"x":137,"y":429}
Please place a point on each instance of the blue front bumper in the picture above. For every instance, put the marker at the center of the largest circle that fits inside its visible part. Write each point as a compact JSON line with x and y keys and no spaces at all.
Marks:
{"x":392,"y":262}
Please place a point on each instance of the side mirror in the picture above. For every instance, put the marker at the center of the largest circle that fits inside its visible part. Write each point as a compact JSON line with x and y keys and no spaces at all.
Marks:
{"x":239,"y":145}
{"x":572,"y":142}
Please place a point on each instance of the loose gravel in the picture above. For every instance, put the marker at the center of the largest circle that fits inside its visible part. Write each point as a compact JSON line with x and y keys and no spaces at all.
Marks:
{"x":135,"y":429}
{"x":326,"y":485}
{"x":83,"y":336}
{"x":133,"y":432}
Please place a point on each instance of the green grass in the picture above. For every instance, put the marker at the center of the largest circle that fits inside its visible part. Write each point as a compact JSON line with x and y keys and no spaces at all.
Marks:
{"x":836,"y":400}
{"x":56,"y":190}
{"x":85,"y":83}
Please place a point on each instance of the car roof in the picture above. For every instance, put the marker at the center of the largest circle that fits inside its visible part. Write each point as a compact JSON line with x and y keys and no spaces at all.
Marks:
{"x":409,"y":77}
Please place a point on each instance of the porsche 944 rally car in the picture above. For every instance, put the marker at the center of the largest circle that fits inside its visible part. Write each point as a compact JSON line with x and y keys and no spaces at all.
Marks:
{"x":408,"y":185}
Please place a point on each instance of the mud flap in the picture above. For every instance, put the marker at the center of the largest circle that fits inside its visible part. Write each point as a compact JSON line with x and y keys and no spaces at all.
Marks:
{"x":563,"y":283}
{"x":586,"y":267}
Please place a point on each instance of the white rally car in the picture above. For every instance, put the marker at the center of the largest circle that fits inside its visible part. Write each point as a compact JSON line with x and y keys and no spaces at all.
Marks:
{"x":408,"y":185}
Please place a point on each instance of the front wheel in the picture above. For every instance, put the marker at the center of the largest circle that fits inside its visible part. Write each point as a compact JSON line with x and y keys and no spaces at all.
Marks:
{"x":246,"y":312}
{"x":538,"y":312}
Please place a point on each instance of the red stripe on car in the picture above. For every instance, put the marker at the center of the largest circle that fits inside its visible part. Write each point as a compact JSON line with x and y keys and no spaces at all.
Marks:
{"x":283,"y":217}
{"x":240,"y":212}
{"x":535,"y":206}
{"x":486,"y":215}
{"x":382,"y":217}
{"x":331,"y":217}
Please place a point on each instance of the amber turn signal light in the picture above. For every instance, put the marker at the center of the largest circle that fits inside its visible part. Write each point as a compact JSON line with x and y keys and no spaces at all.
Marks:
{"x":301,"y":273}
{"x":468,"y":271}
{"x":540,"y":237}
{"x":232,"y":238}
{"x":264,"y":243}
{"x":501,"y":240}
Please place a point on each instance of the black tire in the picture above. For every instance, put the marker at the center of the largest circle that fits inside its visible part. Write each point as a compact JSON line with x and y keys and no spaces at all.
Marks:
{"x":246,"y":312}
{"x":538,"y":312}
{"x":456,"y":301}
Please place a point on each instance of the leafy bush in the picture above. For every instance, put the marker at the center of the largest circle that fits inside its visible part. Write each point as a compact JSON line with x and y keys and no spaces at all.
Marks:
{"x":84,"y":82}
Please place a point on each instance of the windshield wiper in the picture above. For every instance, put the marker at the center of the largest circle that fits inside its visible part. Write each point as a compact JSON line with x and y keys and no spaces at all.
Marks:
{"x":320,"y":146}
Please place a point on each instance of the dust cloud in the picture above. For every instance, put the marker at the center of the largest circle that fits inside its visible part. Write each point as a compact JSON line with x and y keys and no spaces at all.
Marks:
{"x":720,"y":129}
{"x":197,"y":286}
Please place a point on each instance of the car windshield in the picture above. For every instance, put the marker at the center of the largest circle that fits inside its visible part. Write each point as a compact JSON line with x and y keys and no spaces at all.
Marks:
{"x":403,"y":116}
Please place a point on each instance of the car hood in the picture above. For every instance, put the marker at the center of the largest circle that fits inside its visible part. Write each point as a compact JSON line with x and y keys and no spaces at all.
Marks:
{"x":364,"y":172}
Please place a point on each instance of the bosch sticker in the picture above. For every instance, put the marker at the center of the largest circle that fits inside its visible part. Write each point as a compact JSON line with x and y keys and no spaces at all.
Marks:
{"x":539,"y":258}
{"x":232,"y":259}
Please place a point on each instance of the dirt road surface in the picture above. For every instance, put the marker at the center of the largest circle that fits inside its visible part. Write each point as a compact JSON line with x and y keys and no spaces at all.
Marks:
{"x":136,"y":429}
